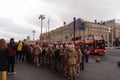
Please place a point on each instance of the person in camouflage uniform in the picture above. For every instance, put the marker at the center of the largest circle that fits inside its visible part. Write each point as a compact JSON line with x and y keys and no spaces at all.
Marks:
{"x":61,"y":56}
{"x":56,"y":58}
{"x":78,"y":59}
{"x":64,"y":64}
{"x":71,"y":62}
{"x":51,"y":55}
{"x":36,"y":50}
{"x":44,"y":53}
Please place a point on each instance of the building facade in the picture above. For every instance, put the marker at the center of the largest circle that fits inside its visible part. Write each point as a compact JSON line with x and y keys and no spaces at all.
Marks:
{"x":63,"y":34}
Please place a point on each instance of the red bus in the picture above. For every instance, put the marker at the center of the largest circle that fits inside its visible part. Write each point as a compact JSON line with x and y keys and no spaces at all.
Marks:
{"x":95,"y":42}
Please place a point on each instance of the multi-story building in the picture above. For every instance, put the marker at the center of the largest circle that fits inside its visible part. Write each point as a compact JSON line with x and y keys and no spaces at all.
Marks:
{"x":115,"y":25}
{"x":63,"y":34}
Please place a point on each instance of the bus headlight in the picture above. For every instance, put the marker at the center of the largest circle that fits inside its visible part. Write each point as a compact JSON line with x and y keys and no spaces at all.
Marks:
{"x":105,"y":51}
{"x":95,"y":51}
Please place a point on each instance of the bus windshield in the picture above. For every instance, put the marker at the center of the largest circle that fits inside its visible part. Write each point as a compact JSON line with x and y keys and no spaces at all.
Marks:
{"x":96,"y":37}
{"x":100,"y":45}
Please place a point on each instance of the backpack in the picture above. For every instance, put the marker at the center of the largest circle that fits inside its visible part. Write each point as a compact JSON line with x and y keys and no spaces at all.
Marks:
{"x":87,"y":51}
{"x":11,"y":51}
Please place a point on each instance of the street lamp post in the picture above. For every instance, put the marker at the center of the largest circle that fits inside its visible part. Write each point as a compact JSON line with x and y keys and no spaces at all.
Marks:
{"x":49,"y":30}
{"x":42,"y":17}
{"x":33,"y":34}
{"x":110,"y":35}
{"x":74,"y":30}
{"x":63,"y":34}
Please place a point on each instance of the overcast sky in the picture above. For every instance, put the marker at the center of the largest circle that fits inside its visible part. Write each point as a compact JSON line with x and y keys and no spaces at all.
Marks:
{"x":18,"y":18}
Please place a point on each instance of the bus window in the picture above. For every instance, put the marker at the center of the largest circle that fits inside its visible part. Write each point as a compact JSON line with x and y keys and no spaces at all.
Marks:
{"x":86,"y":37}
{"x":90,"y":38}
{"x":98,"y":37}
{"x":83,"y":38}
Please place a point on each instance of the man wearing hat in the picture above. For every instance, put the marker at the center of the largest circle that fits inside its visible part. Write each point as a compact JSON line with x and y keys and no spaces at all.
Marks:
{"x":71,"y":61}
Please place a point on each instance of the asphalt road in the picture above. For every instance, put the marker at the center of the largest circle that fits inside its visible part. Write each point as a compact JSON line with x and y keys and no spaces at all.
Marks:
{"x":112,"y":56}
{"x":107,"y":69}
{"x":30,"y":72}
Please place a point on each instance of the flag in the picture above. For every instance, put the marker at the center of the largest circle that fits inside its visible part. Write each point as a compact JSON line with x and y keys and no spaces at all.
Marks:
{"x":82,"y":26}
{"x":79,"y":25}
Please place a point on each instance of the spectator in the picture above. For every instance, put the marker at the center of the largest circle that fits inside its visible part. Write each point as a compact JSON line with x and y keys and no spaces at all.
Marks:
{"x":11,"y":56}
{"x":19,"y":50}
{"x":3,"y":58}
{"x":87,"y":53}
{"x":27,"y":52}
{"x":24,"y":50}
{"x":83,"y":57}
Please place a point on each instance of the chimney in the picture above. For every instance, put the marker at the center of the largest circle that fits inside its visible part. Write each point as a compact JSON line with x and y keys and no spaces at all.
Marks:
{"x":95,"y":21}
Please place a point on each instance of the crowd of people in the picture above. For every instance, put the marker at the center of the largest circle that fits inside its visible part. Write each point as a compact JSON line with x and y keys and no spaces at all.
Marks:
{"x":66,"y":58}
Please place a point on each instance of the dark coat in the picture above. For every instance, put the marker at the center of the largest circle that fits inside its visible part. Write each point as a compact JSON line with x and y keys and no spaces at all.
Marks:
{"x":3,"y":59}
{"x":11,"y":59}
{"x":83,"y":53}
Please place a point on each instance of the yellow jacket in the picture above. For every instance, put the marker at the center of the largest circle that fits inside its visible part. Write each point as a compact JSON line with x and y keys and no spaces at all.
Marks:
{"x":19,"y":47}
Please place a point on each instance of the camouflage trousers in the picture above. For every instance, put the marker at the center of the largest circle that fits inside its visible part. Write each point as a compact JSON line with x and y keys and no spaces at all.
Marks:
{"x":71,"y":72}
{"x":36,"y":59}
{"x":77,"y":70}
